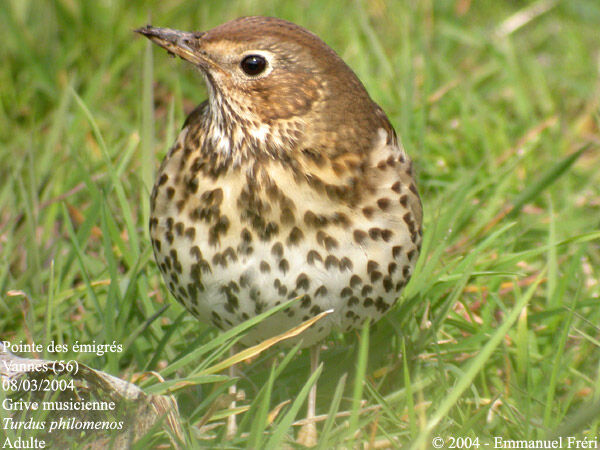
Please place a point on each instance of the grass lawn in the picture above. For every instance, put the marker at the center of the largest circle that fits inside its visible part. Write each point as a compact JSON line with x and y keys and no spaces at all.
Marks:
{"x":498,"y":103}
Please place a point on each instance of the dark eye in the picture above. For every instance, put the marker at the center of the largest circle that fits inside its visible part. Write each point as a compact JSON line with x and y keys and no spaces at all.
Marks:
{"x":253,"y":64}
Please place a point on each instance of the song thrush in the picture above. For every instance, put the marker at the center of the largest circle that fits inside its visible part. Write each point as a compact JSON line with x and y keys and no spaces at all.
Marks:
{"x":288,"y":181}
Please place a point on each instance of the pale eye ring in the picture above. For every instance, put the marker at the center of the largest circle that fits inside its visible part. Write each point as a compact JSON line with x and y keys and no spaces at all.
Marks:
{"x":253,"y":65}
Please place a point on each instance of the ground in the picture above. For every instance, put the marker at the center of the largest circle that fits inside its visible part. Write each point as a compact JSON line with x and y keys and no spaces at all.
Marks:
{"x":497,"y":102}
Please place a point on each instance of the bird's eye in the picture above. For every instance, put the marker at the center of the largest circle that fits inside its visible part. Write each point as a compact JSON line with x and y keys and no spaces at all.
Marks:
{"x":253,"y":64}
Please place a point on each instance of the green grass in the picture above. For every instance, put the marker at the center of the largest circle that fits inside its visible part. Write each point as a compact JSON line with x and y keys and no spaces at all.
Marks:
{"x":496,"y":335}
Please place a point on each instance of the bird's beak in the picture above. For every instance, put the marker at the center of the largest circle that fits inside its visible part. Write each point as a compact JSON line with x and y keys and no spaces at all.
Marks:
{"x":186,"y":45}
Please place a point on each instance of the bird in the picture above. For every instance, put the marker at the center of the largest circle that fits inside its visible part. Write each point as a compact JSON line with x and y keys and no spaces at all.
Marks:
{"x":287,"y":181}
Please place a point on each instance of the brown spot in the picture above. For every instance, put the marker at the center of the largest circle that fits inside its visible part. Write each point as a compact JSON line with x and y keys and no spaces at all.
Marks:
{"x":295,"y":237}
{"x":384,"y":203}
{"x":372,"y":265}
{"x":316,"y":309}
{"x":230,"y":254}
{"x":233,"y":286}
{"x":411,"y":254}
{"x":218,"y":229}
{"x":353,"y":300}
{"x":331,"y":261}
{"x":170,"y":223}
{"x":302,"y":282}
{"x":321,"y":291}
{"x":381,"y":305}
{"x":406,"y":272}
{"x":338,"y":168}
{"x":244,"y":280}
{"x":408,"y":219}
{"x":192,"y":185}
{"x":287,"y":216}
{"x":245,"y":235}
{"x":313,"y":256}
{"x":368,"y":302}
{"x":315,"y":156}
{"x":404,"y":200}
{"x":245,"y":246}
{"x":413,"y":188}
{"x":265,"y":267}
{"x":259,"y":307}
{"x":346,"y":292}
{"x":305,"y":302}
{"x":387,"y":284}
{"x":190,"y":233}
{"x":355,"y":281}
{"x":232,"y":301}
{"x":212,"y":197}
{"x":374,"y":233}
{"x":397,"y":187}
{"x":272,"y":191}
{"x":313,"y":220}
{"x":396,"y":251}
{"x":359,"y":236}
{"x":284,"y":265}
{"x":345,"y":263}
{"x":368,"y":211}
{"x":271,"y":229}
{"x":386,"y":235}
{"x":170,"y":192}
{"x":219,"y":260}
{"x":163,"y":179}
{"x":330,"y":243}
{"x":277,"y":250}
{"x":375,"y":275}
{"x":392,"y":267}
{"x":179,"y":228}
{"x":315,"y":182}
{"x":341,"y":219}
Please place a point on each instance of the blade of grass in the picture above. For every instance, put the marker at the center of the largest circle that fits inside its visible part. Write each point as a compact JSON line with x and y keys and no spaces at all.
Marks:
{"x":410,"y":405}
{"x":222,"y":338}
{"x":260,"y":412}
{"x":49,"y":309}
{"x":259,"y":428}
{"x":475,"y":366}
{"x":548,"y":178}
{"x":284,"y":425}
{"x":332,"y":412}
{"x":556,"y":368}
{"x":359,"y":379}
{"x":127,"y":214}
{"x":251,"y":352}
{"x":80,"y":259}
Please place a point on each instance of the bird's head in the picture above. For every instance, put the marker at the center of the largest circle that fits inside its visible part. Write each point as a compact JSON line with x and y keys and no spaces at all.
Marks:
{"x":276,"y":77}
